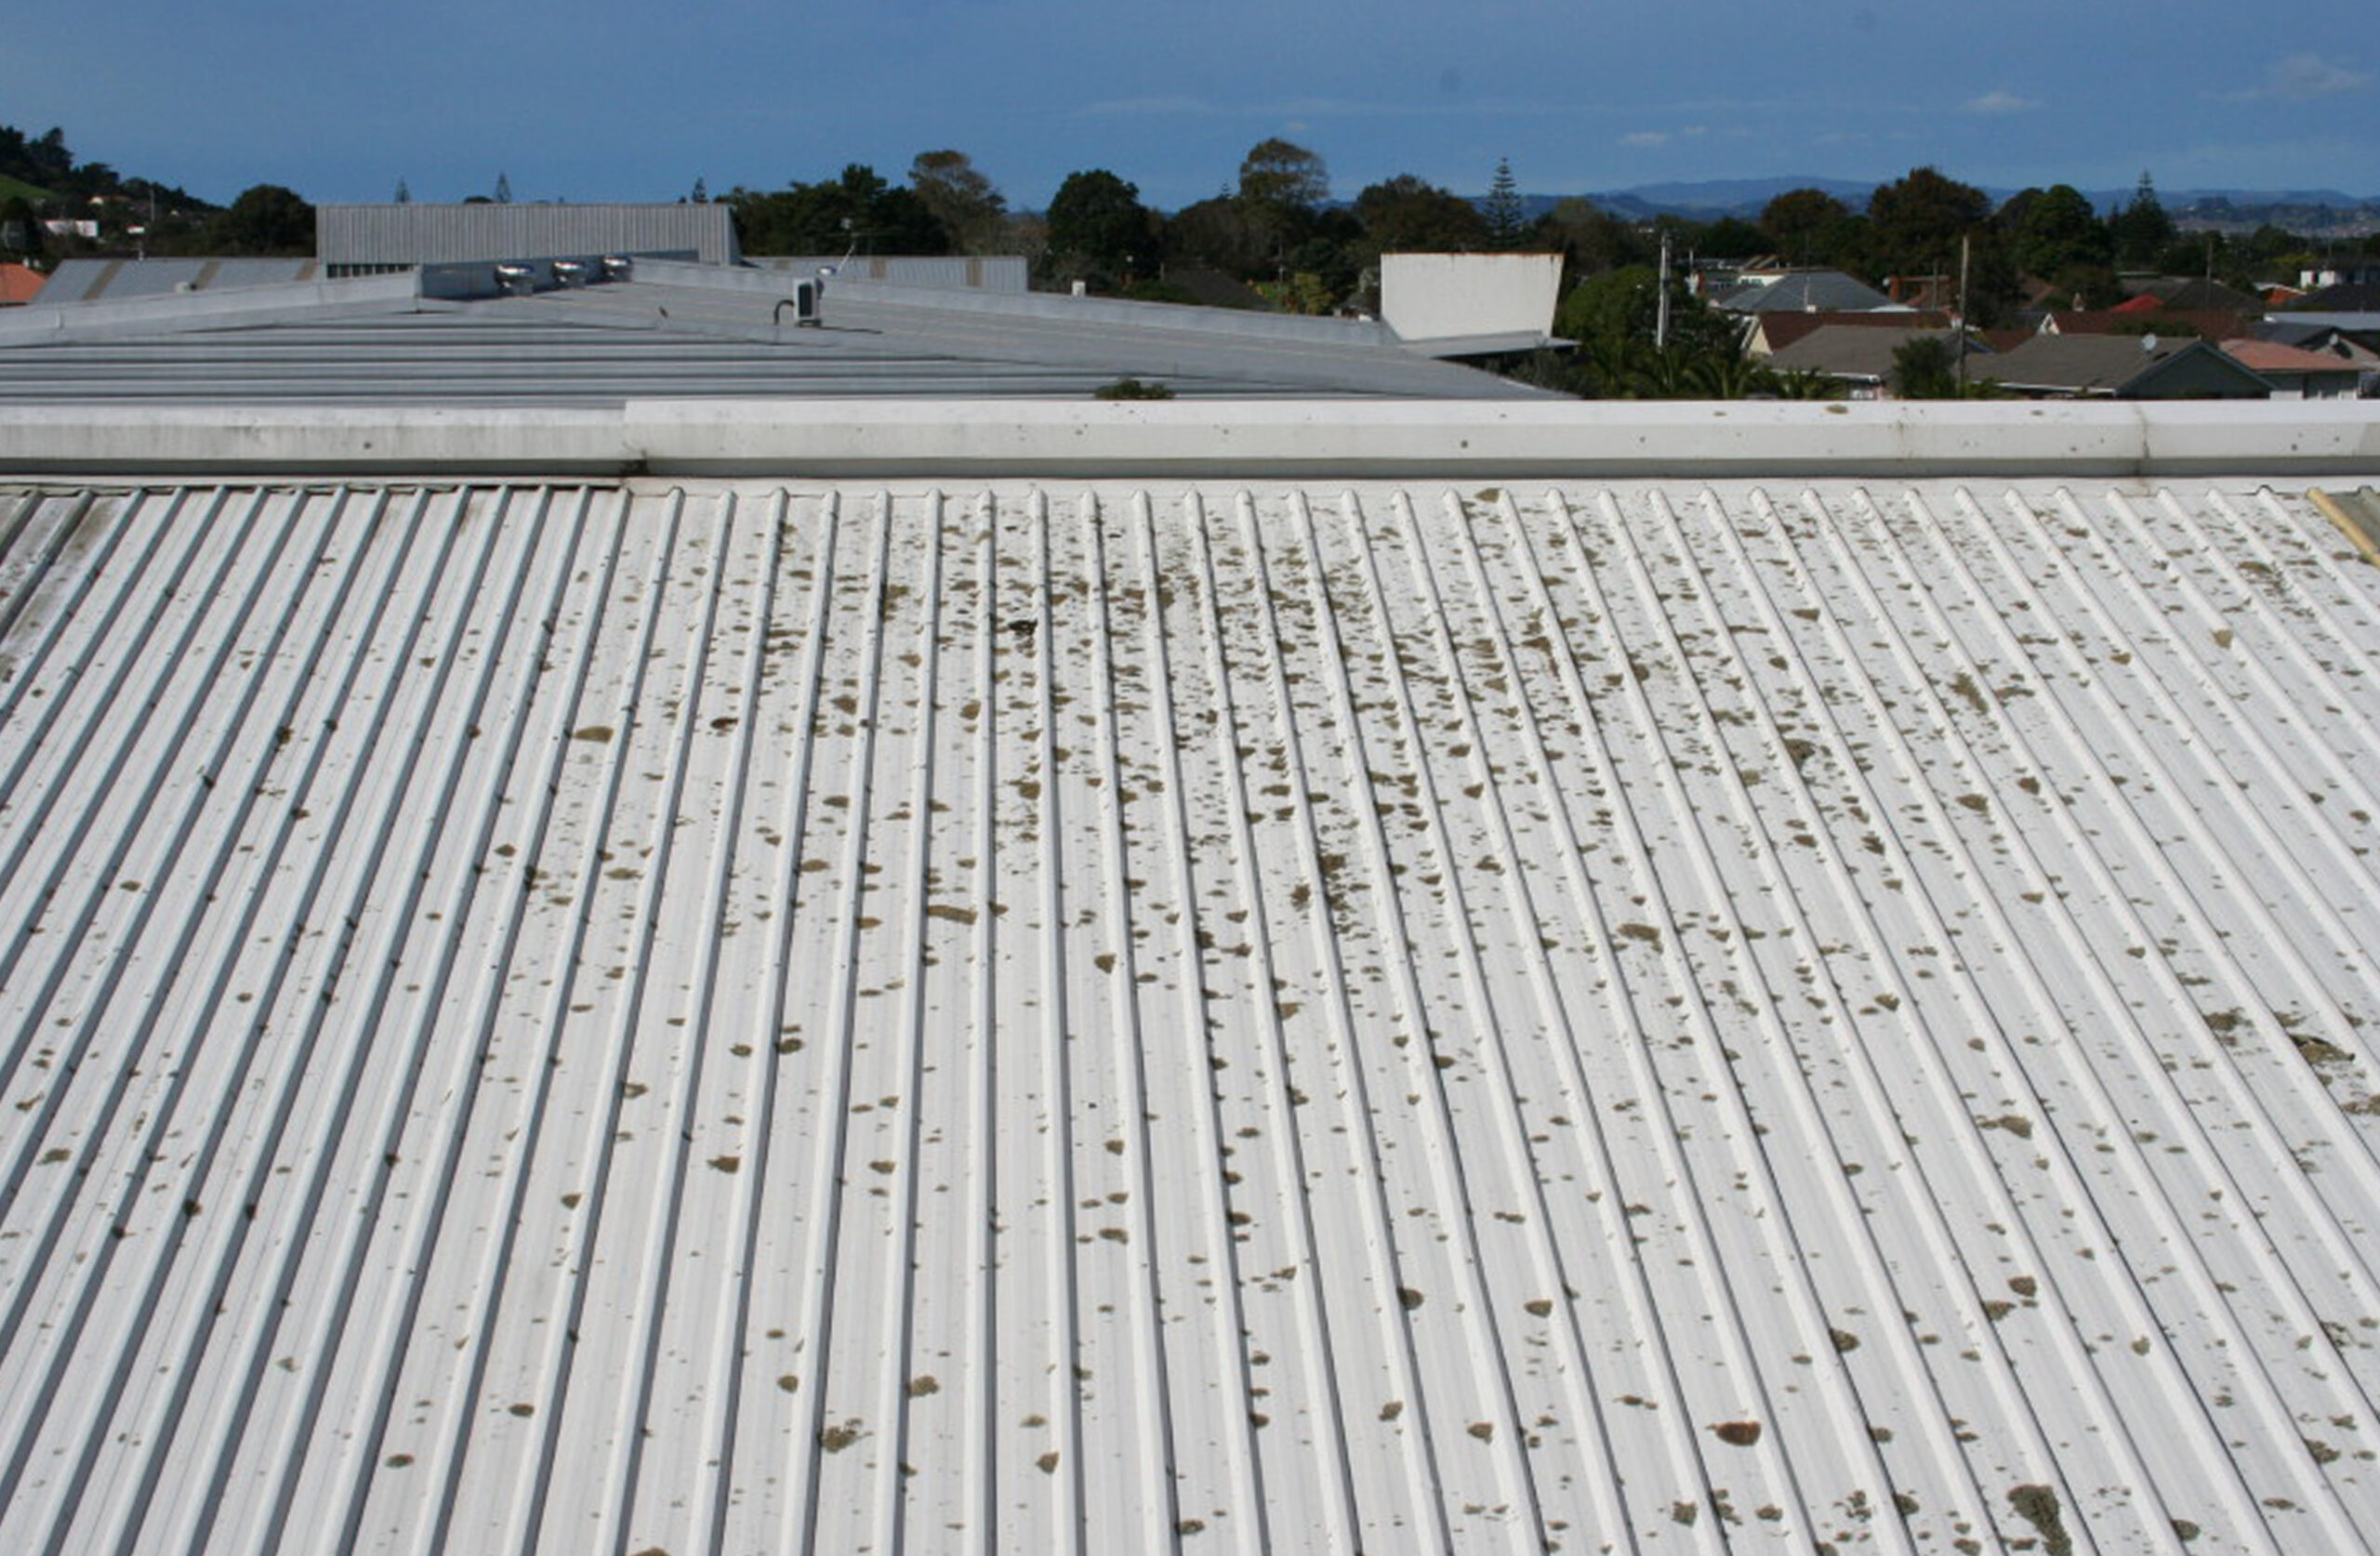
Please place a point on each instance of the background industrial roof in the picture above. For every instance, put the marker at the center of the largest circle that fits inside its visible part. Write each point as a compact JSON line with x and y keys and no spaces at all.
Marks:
{"x":688,"y":330}
{"x":433,"y":232}
{"x":1247,"y":1017}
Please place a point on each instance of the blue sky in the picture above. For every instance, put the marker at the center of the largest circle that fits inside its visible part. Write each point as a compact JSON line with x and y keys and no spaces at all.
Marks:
{"x":611,"y":100}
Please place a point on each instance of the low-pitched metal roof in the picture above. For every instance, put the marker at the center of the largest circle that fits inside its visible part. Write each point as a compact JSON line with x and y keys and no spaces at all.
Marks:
{"x":823,"y":1016}
{"x":688,"y":330}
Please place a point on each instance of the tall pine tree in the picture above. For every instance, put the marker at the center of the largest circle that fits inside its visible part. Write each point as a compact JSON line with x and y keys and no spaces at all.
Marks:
{"x":1507,"y":218}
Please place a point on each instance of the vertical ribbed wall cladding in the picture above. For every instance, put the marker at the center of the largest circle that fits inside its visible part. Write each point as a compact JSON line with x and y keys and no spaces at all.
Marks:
{"x":437,"y":234}
{"x":753,"y":1019}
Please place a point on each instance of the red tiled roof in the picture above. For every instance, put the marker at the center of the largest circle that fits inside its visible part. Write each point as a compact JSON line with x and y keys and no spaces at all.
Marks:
{"x":2271,"y":356}
{"x":19,"y":284}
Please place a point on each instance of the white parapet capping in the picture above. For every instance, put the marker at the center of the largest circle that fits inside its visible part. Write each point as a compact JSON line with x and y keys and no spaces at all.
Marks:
{"x":222,"y":309}
{"x":215,"y":441}
{"x":1256,"y":439}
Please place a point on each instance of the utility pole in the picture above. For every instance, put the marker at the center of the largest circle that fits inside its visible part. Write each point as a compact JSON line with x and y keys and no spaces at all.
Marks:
{"x":1662,"y":305}
{"x":1967,"y":246}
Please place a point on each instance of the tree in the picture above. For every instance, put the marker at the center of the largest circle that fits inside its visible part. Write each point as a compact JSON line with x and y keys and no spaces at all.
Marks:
{"x":1925,"y":368}
{"x":21,"y":230}
{"x":266,"y":220}
{"x":1612,"y":318}
{"x":1730,"y":238}
{"x":857,"y":211}
{"x":1281,"y":187}
{"x":503,"y":189}
{"x":1593,"y":239}
{"x":2056,"y":229}
{"x":1808,"y":227}
{"x":404,"y":195}
{"x":1507,"y":218}
{"x":1280,"y":174}
{"x":701,"y":195}
{"x":1099,"y":230}
{"x":1216,"y":231}
{"x":972,"y":213}
{"x":2054,"y":234}
{"x":1404,"y":214}
{"x":1914,"y":224}
{"x":2141,"y":231}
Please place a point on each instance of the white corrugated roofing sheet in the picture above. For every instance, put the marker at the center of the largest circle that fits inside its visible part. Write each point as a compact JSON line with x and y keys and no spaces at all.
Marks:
{"x":762,"y":1018}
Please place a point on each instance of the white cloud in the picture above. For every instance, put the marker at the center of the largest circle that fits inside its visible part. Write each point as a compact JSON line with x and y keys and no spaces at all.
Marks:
{"x":1994,"y":104}
{"x":1645,"y":139}
{"x":2304,"y":77}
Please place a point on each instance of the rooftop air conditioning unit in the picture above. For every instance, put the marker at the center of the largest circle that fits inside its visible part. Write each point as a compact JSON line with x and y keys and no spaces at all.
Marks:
{"x":619,"y":267}
{"x":569,"y":272}
{"x":804,"y":302}
{"x":515,"y":281}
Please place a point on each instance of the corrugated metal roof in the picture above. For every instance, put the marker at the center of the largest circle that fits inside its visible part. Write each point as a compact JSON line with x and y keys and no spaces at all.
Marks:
{"x":704,"y":331}
{"x":431,"y":234}
{"x":988,"y":273}
{"x":88,"y":281}
{"x":742,"y":1018}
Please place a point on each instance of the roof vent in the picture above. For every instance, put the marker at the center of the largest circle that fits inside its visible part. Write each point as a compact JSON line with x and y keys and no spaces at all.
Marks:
{"x":2148,"y":344}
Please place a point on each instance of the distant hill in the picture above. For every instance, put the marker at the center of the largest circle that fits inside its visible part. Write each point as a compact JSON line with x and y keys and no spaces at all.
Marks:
{"x":1713,"y":198}
{"x":2314,"y":212}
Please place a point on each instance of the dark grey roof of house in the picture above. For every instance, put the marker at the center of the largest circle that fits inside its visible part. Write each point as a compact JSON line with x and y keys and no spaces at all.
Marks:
{"x":1852,"y":350}
{"x":2098,"y":363}
{"x":1803,"y":291}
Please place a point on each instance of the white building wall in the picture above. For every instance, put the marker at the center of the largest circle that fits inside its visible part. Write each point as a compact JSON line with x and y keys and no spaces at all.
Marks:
{"x":1434,"y":296}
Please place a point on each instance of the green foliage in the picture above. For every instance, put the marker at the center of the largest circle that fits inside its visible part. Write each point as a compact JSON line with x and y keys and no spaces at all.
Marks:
{"x":265,"y":220}
{"x":1802,"y":383}
{"x":1132,"y":389}
{"x":1216,"y":233}
{"x":1612,"y":317}
{"x":1299,"y":292}
{"x":1280,"y":177}
{"x":2141,"y":231}
{"x":1282,"y":186}
{"x":971,"y":213}
{"x":1593,"y":240}
{"x":1156,"y":289}
{"x":856,"y":211}
{"x":1810,"y":227}
{"x":1914,"y":224}
{"x":1099,"y":230}
{"x":1925,"y":368}
{"x":1729,"y":238}
{"x":1507,"y":220}
{"x":2057,"y":232}
{"x":20,"y":231}
{"x":1404,"y":215}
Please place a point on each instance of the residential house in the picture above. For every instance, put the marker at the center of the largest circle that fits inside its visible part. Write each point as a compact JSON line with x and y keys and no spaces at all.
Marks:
{"x":2124,"y":367}
{"x":2295,"y":373}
